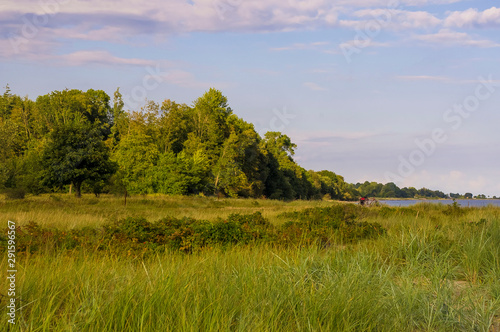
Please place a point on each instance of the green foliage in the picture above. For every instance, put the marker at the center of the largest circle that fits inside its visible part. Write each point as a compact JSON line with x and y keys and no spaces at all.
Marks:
{"x":331,"y":224}
{"x":15,"y":193}
{"x":391,"y":190}
{"x":187,"y":234}
{"x":182,"y":174}
{"x":33,"y":238}
{"x":76,"y":153}
{"x":454,"y":210}
{"x":165,"y":147}
{"x":230,"y":177}
{"x":174,"y":126}
{"x":138,"y":236}
{"x":210,"y":120}
{"x":136,"y":156}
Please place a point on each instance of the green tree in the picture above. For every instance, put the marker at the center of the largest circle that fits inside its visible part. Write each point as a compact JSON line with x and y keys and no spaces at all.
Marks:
{"x":209,"y":121}
{"x":334,"y":185}
{"x":76,"y":153}
{"x":182,"y":174}
{"x":119,"y":118}
{"x":136,"y":156}
{"x":283,"y":172}
{"x":390,"y":190}
{"x":229,"y":176}
{"x":174,"y":125}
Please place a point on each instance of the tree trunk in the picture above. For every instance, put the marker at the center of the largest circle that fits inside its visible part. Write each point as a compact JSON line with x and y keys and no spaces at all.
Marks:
{"x":78,"y":189}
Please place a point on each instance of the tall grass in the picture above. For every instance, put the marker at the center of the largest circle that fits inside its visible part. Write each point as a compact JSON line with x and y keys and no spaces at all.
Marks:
{"x":436,"y":269}
{"x":67,"y":211}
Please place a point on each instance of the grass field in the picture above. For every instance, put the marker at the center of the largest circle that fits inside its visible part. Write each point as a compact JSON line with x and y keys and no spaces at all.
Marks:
{"x":65,"y":211}
{"x":436,"y":268}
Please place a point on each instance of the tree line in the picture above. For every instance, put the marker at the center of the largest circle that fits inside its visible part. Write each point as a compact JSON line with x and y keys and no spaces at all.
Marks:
{"x":85,"y":140}
{"x":391,"y":190}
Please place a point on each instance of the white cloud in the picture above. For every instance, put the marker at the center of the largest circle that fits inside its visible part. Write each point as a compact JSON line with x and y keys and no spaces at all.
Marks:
{"x":177,"y":16}
{"x":474,"y":18}
{"x":385,"y":3}
{"x":120,"y":21}
{"x":185,"y":16}
{"x":106,"y":33}
{"x":446,"y":37}
{"x":101,"y":57}
{"x":393,"y":19}
{"x":300,"y":46}
{"x":359,"y":44}
{"x":20,"y":47}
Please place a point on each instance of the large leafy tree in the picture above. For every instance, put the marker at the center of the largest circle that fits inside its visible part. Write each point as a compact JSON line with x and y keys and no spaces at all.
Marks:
{"x":287,"y":179}
{"x":229,"y":176}
{"x":240,"y":169}
{"x":334,"y":185}
{"x":174,"y":126}
{"x":78,"y":123}
{"x":119,"y":121}
{"x":76,"y":153}
{"x":209,"y":121}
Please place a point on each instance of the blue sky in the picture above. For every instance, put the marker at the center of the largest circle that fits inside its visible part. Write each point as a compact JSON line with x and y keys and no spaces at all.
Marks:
{"x":405,"y":91}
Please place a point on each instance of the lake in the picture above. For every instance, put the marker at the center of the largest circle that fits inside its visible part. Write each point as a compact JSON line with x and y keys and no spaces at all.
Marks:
{"x":462,"y":202}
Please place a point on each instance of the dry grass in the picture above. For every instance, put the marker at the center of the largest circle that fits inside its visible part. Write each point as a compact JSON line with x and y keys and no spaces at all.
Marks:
{"x":435,"y":270}
{"x":66,"y":211}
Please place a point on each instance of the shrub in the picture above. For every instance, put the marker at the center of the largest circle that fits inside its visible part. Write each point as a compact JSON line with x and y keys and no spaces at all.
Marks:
{"x":15,"y":193}
{"x":138,"y":236}
{"x":339,"y":222}
{"x":33,"y":238}
{"x":130,"y":228}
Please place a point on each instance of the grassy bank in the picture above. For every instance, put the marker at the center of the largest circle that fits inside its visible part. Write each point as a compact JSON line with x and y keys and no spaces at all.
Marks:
{"x":67,"y":211}
{"x":436,"y":268}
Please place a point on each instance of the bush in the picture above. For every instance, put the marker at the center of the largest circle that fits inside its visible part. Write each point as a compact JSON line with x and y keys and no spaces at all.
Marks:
{"x":33,"y":238}
{"x":138,"y":236}
{"x":15,"y":193}
{"x":339,"y":222}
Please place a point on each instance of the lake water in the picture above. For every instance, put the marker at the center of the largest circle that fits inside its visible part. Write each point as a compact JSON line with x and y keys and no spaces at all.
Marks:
{"x":462,"y":202}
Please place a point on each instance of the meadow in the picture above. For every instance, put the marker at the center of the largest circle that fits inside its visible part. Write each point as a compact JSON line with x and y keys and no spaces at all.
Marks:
{"x":163,"y":263}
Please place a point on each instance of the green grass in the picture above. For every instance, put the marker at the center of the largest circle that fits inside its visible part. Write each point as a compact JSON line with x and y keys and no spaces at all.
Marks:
{"x":66,"y":211}
{"x":436,"y":269}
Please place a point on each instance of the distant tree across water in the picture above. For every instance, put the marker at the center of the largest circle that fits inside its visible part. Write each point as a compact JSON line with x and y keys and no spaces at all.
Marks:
{"x":391,"y":190}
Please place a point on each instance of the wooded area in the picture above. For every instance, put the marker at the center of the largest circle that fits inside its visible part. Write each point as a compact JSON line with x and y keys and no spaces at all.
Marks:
{"x":85,"y":140}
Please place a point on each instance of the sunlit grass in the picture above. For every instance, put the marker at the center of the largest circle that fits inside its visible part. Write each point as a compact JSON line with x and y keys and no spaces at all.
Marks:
{"x":436,"y":269}
{"x":67,"y":211}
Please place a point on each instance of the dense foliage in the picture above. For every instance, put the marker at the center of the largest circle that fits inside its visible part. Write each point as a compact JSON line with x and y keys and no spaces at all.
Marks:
{"x":374,"y":189}
{"x":137,"y":236}
{"x":77,"y":138}
{"x":391,"y":190}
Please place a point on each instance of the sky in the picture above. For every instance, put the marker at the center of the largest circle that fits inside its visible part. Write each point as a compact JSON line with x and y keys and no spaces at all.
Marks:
{"x":404,"y":91}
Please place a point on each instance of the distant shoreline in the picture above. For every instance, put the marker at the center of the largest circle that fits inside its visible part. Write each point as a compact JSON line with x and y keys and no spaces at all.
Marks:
{"x":434,"y":199}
